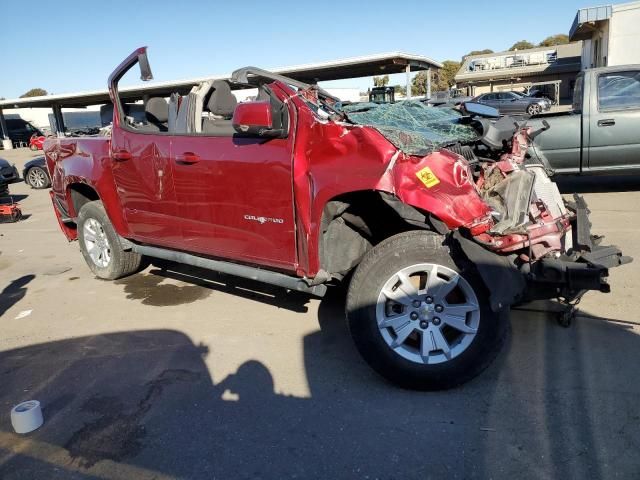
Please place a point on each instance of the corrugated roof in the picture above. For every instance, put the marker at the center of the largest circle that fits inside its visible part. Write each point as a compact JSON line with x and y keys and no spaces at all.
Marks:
{"x":353,"y":67}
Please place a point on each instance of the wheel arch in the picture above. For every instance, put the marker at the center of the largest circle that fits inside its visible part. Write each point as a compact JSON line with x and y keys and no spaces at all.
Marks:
{"x":352,"y":223}
{"x":78,"y":194}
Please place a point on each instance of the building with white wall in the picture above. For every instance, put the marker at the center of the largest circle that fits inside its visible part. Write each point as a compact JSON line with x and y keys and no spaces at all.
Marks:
{"x":610,"y":34}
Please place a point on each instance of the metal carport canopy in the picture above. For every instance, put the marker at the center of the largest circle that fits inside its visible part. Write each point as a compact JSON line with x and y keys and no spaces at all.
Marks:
{"x":378,"y":64}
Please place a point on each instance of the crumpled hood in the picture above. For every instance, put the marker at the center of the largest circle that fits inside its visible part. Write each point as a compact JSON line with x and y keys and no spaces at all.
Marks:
{"x":411,"y":126}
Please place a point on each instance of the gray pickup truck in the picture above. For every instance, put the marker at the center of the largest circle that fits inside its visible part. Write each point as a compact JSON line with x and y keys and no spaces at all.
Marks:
{"x":601,"y":135}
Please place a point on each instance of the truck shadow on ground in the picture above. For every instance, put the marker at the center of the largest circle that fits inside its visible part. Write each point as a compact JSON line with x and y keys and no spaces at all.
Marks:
{"x":598,"y":183}
{"x":557,"y":403}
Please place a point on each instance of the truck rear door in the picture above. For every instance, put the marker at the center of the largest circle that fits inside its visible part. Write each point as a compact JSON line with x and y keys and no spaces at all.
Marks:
{"x":614,"y":121}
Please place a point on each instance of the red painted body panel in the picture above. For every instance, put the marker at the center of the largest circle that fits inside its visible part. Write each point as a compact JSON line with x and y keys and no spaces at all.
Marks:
{"x":332,"y":159}
{"x":84,"y":161}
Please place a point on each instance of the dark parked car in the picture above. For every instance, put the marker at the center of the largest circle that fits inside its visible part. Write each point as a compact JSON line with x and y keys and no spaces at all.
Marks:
{"x":513,"y":103}
{"x":35,"y":173}
{"x":8,"y":174}
{"x":21,"y":131}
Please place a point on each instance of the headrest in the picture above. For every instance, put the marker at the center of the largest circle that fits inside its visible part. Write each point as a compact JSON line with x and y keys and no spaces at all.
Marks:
{"x":157,"y":110}
{"x":222,"y":102}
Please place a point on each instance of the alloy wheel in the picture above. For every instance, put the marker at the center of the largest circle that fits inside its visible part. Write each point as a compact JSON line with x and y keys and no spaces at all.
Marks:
{"x":37,"y":178}
{"x":96,"y":243}
{"x":427,"y":313}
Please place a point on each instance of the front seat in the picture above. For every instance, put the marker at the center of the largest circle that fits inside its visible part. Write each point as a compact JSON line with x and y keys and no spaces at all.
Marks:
{"x":157,"y":113}
{"x":221,"y":104}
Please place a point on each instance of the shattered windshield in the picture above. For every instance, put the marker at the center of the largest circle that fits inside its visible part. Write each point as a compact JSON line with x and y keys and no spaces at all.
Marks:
{"x":413,"y":127}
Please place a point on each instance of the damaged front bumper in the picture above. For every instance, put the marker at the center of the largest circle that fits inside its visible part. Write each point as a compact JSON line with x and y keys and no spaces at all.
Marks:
{"x":585,"y":267}
{"x":565,"y":275}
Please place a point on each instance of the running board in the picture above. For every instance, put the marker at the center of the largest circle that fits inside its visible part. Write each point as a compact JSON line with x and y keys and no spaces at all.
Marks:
{"x":253,"y":273}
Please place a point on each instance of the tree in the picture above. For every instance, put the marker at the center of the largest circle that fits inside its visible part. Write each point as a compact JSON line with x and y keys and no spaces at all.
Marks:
{"x":34,"y":92}
{"x":400,"y":90}
{"x":380,"y":81}
{"x":522,"y":45}
{"x":558,"y":39}
{"x":477,"y":52}
{"x":419,"y":84}
{"x":442,"y":79}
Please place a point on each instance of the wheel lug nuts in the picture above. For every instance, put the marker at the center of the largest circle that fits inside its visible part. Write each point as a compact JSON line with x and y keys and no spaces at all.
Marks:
{"x":429,"y":299}
{"x":416,"y":303}
{"x":423,"y":324}
{"x":439,"y":308}
{"x":413,"y":316}
{"x":435,"y":320}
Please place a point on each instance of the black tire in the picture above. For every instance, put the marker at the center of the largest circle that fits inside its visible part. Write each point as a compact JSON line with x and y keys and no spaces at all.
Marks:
{"x":31,"y":181}
{"x":380,"y":264}
{"x":4,"y":190}
{"x":121,"y":262}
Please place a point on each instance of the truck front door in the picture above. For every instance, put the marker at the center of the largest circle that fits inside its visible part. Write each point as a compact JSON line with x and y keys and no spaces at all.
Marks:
{"x":614,"y":121}
{"x":235,"y":195}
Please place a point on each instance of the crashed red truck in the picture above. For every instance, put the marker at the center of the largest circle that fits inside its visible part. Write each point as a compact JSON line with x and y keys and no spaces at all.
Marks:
{"x":437,"y":221}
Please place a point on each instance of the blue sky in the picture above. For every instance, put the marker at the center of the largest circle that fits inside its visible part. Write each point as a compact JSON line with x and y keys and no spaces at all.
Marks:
{"x":68,"y":46}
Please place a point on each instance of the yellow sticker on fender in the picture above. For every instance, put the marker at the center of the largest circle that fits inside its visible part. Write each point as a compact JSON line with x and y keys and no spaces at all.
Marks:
{"x":427,"y":177}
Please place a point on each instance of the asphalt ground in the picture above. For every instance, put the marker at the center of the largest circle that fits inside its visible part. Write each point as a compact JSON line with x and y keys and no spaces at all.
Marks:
{"x":178,"y":373}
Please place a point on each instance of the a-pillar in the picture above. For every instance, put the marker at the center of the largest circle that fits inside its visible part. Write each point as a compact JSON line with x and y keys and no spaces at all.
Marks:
{"x":4,"y":133}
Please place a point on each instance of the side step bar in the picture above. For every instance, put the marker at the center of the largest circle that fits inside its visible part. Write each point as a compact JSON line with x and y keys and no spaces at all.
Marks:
{"x":253,"y":273}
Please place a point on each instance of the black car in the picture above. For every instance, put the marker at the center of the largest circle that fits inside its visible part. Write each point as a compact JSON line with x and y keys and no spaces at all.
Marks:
{"x":20,"y":131}
{"x":8,"y":174}
{"x":35,"y":173}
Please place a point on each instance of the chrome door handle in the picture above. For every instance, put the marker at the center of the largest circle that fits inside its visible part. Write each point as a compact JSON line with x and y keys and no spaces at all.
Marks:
{"x":609,"y":122}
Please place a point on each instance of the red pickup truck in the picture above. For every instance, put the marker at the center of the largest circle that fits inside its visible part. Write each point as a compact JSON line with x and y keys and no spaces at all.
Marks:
{"x":438,"y":221}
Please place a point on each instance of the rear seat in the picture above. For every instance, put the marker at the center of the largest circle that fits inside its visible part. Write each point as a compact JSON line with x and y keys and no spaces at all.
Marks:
{"x":221,"y":105}
{"x":157,"y":113}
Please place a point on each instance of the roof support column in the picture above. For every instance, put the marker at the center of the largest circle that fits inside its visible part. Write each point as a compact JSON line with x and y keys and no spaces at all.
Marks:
{"x":408,"y":72}
{"x":59,"y":120}
{"x":428,"y":83}
{"x":4,"y":133}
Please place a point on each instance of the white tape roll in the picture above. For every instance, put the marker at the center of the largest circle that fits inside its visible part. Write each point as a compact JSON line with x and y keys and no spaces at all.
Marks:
{"x":26,"y":416}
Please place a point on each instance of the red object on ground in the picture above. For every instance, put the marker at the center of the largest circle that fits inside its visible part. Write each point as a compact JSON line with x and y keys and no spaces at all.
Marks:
{"x":36,"y":142}
{"x":9,"y":210}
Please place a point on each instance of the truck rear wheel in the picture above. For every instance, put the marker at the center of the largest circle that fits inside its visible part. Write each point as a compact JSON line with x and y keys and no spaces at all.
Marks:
{"x":417,"y":318}
{"x":100,"y":244}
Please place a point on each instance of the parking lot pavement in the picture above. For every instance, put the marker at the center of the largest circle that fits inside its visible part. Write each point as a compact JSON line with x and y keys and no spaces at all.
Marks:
{"x":172,"y":373}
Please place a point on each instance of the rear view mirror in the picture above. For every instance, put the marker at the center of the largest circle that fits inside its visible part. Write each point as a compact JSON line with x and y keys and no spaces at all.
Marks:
{"x":254,"y":118}
{"x":481,"y":110}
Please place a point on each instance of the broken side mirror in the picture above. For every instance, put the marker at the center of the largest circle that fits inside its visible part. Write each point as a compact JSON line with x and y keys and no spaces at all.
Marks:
{"x":145,"y":68}
{"x":255,"y":118}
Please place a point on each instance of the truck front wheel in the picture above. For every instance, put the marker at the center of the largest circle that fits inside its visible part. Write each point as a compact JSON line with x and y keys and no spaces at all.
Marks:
{"x":100,"y":244}
{"x":417,"y":318}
